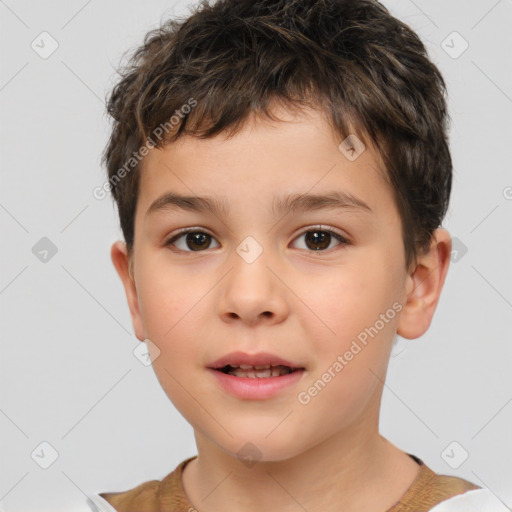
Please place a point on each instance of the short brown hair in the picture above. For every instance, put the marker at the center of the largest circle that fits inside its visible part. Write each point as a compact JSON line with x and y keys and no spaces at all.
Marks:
{"x":351,"y":58}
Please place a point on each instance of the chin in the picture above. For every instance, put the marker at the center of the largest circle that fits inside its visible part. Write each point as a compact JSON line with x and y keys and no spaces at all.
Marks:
{"x":255,"y":445}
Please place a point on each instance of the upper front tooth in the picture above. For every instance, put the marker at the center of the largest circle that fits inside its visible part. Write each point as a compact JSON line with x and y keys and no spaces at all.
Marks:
{"x":249,"y":366}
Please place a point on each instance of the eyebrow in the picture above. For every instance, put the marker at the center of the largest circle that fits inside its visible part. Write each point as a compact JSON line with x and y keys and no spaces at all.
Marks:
{"x":292,"y":203}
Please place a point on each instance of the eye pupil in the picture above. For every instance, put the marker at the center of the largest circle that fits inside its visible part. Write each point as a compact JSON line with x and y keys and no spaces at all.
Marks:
{"x":198,"y":237}
{"x":318,"y":237}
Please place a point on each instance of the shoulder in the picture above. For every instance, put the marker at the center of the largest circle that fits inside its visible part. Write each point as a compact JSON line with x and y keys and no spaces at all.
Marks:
{"x":143,"y":498}
{"x":430,"y":489}
{"x":439,"y":488}
{"x":446,"y":485}
{"x":433,"y":489}
{"x":149,"y":496}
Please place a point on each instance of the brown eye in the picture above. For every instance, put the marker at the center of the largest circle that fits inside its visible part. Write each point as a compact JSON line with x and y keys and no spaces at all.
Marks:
{"x":320,"y":239}
{"x":193,"y":241}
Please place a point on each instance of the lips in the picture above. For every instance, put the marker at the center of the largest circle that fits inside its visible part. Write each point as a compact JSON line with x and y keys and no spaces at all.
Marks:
{"x":261,"y":359}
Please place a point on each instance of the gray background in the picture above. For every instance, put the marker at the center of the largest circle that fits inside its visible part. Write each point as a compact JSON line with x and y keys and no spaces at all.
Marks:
{"x":68,"y":373}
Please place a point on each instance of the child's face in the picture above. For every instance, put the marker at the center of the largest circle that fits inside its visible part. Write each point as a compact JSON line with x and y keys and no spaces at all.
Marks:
{"x":201,"y":300}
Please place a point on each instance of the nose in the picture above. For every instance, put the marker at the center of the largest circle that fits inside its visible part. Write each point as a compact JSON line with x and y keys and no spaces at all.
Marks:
{"x":252,"y":293}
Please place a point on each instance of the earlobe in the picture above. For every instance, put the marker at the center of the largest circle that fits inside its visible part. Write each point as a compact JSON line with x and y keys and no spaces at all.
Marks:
{"x":424,"y":285}
{"x":124,"y":267}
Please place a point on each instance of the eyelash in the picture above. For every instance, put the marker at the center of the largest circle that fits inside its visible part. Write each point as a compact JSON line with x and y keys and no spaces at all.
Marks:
{"x":342,"y":241}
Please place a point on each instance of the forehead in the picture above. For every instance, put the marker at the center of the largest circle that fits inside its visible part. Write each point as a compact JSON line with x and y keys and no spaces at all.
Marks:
{"x":298,"y":153}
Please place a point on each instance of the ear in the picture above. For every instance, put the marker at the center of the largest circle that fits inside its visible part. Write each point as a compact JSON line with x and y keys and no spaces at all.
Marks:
{"x":424,"y":285}
{"x":124,"y":266}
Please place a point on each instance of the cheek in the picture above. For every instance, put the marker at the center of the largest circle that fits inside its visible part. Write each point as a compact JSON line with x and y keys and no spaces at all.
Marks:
{"x":358,"y":308}
{"x":346,"y":300}
{"x":166,"y":301}
{"x":172,"y":327}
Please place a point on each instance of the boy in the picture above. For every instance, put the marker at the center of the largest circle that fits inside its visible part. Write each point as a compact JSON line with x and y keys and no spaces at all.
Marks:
{"x":281,"y":171}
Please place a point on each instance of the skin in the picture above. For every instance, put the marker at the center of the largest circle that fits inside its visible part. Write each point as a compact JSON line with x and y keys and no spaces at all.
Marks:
{"x":304,"y":305}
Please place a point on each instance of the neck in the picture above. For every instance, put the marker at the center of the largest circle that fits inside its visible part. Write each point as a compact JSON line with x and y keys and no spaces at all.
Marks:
{"x":340,"y":470}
